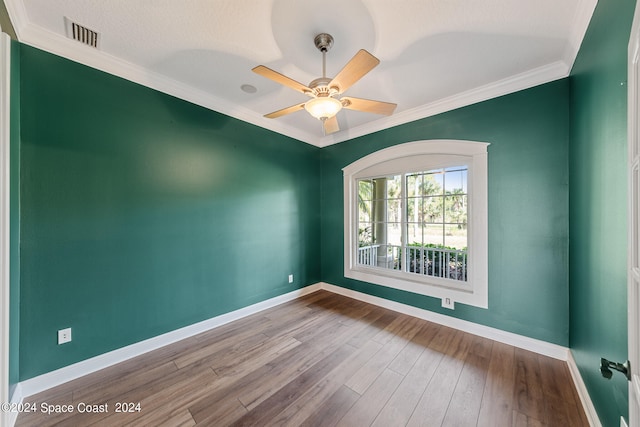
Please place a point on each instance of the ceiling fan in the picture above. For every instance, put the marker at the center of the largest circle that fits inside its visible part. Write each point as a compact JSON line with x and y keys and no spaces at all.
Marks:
{"x":323,"y":104}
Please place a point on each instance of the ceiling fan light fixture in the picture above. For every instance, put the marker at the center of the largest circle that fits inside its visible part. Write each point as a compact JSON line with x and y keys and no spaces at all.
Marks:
{"x":323,"y":108}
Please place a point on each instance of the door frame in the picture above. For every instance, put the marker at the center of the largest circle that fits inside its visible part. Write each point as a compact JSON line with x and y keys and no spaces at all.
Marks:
{"x":633,"y":218}
{"x":5,"y":226}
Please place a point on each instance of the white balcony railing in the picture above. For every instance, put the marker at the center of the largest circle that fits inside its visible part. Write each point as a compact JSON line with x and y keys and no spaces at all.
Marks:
{"x":428,"y":261}
{"x":367,"y":255}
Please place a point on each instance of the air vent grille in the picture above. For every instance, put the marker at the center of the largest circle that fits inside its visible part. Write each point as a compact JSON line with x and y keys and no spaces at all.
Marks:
{"x":81,"y":33}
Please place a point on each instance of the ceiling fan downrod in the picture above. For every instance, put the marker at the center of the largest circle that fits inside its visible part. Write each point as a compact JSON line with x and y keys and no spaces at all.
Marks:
{"x":323,"y":42}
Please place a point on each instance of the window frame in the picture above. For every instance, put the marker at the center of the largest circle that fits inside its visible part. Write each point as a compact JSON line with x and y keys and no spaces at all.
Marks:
{"x":412,"y":157}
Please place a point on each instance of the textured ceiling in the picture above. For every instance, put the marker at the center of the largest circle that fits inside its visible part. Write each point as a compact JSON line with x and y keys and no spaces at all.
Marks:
{"x":435,"y":55}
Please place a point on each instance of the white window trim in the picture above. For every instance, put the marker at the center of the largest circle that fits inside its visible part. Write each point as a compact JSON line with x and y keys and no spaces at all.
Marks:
{"x":406,"y":157}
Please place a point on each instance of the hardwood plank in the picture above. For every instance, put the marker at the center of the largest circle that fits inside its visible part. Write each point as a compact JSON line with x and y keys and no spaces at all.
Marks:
{"x":120,"y":370}
{"x":435,"y":400}
{"x":249,"y":323}
{"x":366,"y":409}
{"x":332,"y":410}
{"x":162,"y":400}
{"x":528,"y":397}
{"x":227,"y":412}
{"x":181,"y":419}
{"x":440,"y":342}
{"x":319,"y":328}
{"x":288,"y":325}
{"x":497,"y":400}
{"x":151,"y":398}
{"x":256,"y":356}
{"x":257,"y":382}
{"x":465,"y":403}
{"x":522,"y":420}
{"x":379,"y":319}
{"x":254,"y":371}
{"x":210,"y":348}
{"x":406,"y":328}
{"x":405,"y":360}
{"x":318,"y":396}
{"x":559,"y":402}
{"x":253,"y":388}
{"x":253,"y":396}
{"x":324,"y":344}
{"x":172,"y":400}
{"x":116,"y":385}
{"x":281,"y":399}
{"x":404,"y":400}
{"x":324,"y":300}
{"x":402,"y":326}
{"x":482,"y":347}
{"x":230,"y":354}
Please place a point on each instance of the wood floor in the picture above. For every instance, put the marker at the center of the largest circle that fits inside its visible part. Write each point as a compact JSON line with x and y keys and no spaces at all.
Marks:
{"x":323,"y":360}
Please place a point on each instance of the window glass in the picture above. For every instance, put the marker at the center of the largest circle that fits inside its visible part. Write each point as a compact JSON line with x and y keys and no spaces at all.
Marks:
{"x":434,"y":221}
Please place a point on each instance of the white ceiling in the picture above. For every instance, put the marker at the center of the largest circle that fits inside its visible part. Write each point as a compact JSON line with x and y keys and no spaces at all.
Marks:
{"x":435,"y":55}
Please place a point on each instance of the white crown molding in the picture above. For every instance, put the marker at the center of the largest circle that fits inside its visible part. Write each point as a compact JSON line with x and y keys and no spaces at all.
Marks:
{"x":579,"y":29}
{"x":74,"y":51}
{"x":535,"y":77}
{"x":60,"y":45}
{"x":18,"y":14}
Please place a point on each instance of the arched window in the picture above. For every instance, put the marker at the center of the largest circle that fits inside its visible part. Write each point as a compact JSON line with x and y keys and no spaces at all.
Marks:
{"x":415,"y":219}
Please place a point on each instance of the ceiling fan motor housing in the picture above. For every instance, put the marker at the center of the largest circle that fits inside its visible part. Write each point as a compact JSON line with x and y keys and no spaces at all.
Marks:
{"x":320,"y":87}
{"x":323,"y":42}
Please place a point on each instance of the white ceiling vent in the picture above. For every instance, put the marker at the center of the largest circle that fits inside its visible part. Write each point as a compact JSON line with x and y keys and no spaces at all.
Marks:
{"x":81,"y":33}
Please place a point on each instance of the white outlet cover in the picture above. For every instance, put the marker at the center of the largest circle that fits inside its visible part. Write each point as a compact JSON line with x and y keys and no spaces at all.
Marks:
{"x":448,"y":302}
{"x":64,"y":336}
{"x":291,"y":278}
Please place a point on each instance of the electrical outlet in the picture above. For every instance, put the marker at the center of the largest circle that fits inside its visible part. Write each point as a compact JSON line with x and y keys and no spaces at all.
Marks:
{"x":64,"y":335}
{"x":291,"y":278}
{"x":448,"y":303}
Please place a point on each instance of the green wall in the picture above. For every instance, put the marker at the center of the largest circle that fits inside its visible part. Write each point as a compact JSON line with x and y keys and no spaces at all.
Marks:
{"x":528,"y":208}
{"x":142,"y":213}
{"x":598,"y":205}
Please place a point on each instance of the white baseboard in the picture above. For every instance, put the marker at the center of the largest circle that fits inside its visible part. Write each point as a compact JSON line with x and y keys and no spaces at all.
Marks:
{"x":51,"y":379}
{"x":623,"y":423}
{"x":16,"y":399}
{"x":581,"y":387}
{"x":60,"y":376}
{"x":520,"y":341}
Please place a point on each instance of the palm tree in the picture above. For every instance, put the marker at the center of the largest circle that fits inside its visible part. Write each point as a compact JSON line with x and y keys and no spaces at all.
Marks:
{"x":456,"y":206}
